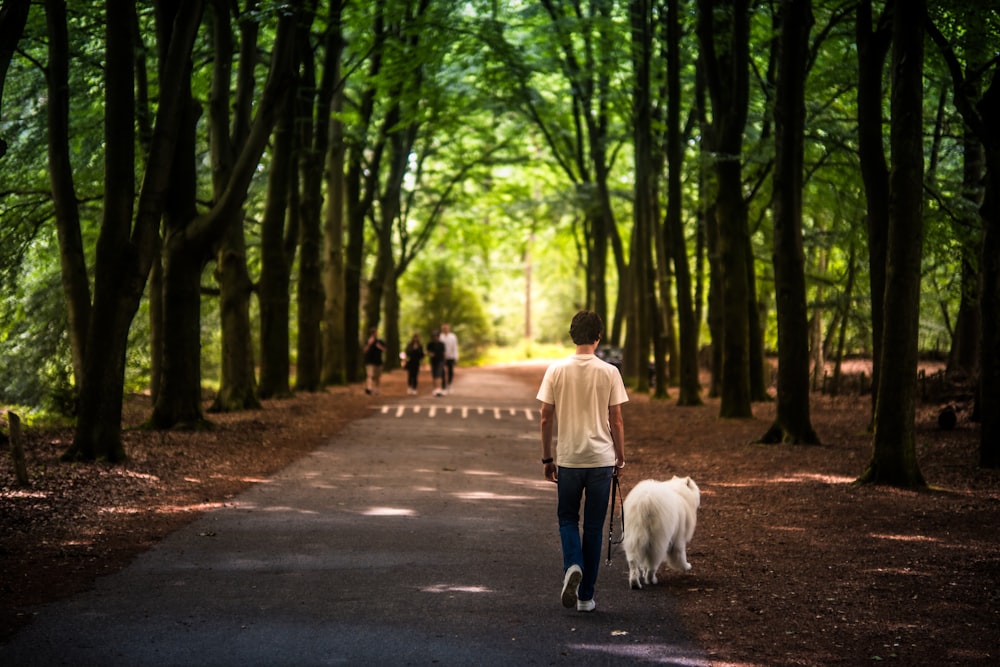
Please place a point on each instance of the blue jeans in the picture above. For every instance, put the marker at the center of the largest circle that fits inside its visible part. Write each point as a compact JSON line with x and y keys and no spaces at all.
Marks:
{"x":593,"y":486}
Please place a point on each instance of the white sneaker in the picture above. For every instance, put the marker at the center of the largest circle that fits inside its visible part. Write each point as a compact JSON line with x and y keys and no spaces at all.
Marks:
{"x":570,"y":583}
{"x":586,"y":605}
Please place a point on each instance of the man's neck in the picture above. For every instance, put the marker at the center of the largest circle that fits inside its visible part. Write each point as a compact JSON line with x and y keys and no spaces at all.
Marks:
{"x":588,"y":348}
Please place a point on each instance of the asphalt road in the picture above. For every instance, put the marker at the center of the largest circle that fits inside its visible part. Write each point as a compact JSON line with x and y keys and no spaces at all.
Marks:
{"x":422,"y":535}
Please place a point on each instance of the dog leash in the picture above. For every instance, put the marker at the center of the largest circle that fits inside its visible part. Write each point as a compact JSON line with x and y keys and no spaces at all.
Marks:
{"x":615,"y":490}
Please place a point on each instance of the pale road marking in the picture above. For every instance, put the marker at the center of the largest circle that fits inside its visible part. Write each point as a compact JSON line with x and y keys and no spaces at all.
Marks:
{"x":431,"y":411}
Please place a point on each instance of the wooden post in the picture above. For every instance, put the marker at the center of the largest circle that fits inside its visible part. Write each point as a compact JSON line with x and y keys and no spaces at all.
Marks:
{"x":17,"y":449}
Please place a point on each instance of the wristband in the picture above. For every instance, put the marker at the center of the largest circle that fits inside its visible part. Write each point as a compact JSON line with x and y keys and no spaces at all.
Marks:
{"x":547,"y":461}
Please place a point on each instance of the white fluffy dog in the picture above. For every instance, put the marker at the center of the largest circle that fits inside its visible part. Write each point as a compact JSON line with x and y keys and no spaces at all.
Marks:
{"x":659,"y":522}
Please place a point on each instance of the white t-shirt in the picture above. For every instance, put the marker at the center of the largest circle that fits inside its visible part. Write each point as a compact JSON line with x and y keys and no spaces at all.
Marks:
{"x":583,"y":387}
{"x":450,"y":341}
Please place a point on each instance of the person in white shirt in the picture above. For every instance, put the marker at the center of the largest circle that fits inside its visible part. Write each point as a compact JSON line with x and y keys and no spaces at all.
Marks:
{"x":583,"y":395}
{"x":450,"y":341}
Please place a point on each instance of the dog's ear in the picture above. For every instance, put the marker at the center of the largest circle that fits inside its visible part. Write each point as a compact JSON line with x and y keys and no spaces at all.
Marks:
{"x":687,"y":482}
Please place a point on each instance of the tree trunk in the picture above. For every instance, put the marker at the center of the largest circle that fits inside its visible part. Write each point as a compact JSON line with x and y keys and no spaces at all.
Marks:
{"x":989,"y":364}
{"x":238,"y":386}
{"x":756,"y":315}
{"x":190,"y":240}
{"x":310,"y":285}
{"x":334,"y":339}
{"x":334,"y":343}
{"x":238,"y":383}
{"x":73,"y":262}
{"x":275,"y":260}
{"x":123,"y":259}
{"x":354,"y":259}
{"x":980,"y":116}
{"x":688,"y":382}
{"x":178,"y":401}
{"x":640,"y":322}
{"x":873,"y":48}
{"x":792,"y":423}
{"x":314,"y":124}
{"x":726,"y":68}
{"x":894,"y":458}
{"x":963,"y":357}
{"x":989,"y":374}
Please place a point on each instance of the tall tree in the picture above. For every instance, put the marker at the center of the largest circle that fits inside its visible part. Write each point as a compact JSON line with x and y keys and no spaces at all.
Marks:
{"x":724,"y":36}
{"x":72,"y":257}
{"x":312,"y":137}
{"x":978,"y":111}
{"x":334,"y":213}
{"x":229,"y":122}
{"x":873,"y":48}
{"x":191,"y":237}
{"x":687,"y":311}
{"x":894,"y":457}
{"x":126,"y":244}
{"x":792,"y":422}
{"x":277,"y":249}
{"x":642,"y":294}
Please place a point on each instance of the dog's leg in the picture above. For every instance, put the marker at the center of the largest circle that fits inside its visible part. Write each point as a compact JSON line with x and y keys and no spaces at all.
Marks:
{"x":678,"y":557}
{"x":633,"y":574}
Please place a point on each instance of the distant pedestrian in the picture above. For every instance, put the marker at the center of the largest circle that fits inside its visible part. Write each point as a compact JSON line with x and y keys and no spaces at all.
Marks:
{"x":450,"y":341}
{"x":414,"y":355}
{"x":373,"y":362}
{"x":581,"y":397}
{"x":435,"y":349}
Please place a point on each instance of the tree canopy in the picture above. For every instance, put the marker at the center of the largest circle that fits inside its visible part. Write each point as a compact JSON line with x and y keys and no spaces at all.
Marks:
{"x":230,"y":193}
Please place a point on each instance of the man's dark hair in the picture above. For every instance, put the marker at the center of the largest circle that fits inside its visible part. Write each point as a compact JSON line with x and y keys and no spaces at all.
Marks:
{"x":586,"y":327}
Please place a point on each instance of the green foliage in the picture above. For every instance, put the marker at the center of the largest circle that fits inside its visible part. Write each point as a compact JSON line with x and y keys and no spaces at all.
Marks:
{"x":34,"y":346}
{"x":434,"y":293}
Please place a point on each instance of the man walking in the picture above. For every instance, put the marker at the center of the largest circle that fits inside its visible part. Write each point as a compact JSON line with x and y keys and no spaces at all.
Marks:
{"x":583,"y":395}
{"x":450,"y":341}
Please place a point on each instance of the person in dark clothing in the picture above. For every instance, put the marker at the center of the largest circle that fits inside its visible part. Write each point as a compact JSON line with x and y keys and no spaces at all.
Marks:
{"x":435,"y":349}
{"x":414,"y":355}
{"x":373,"y":362}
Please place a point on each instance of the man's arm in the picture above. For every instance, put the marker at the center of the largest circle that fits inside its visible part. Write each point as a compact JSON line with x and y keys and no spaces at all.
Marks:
{"x":617,"y":424}
{"x":547,"y":421}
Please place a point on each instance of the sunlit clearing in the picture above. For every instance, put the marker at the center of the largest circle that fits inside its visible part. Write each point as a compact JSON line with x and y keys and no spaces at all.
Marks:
{"x":388,"y":511}
{"x":447,"y":588}
{"x":485,"y":495}
{"x":905,"y":538}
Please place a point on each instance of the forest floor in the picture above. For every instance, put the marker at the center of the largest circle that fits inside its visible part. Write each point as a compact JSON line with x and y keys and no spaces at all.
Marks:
{"x":793,"y":563}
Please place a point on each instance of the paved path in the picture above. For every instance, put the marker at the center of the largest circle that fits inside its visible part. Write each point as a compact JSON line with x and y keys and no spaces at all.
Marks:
{"x":421,"y":535}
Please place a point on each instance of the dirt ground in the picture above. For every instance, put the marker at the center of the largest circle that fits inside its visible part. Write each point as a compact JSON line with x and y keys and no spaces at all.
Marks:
{"x":793,"y":563}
